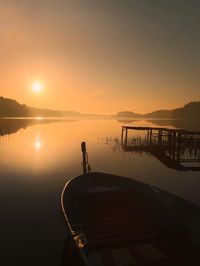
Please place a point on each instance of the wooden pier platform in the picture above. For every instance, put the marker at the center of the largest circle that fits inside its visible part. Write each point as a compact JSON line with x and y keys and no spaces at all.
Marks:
{"x":160,"y":135}
{"x":168,"y":144}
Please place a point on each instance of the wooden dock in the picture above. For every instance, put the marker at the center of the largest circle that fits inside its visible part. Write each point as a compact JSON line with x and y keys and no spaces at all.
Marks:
{"x":173,"y":146}
{"x":162,"y":136}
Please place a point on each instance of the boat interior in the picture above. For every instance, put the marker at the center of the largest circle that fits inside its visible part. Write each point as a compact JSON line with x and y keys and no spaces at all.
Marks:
{"x":118,"y":221}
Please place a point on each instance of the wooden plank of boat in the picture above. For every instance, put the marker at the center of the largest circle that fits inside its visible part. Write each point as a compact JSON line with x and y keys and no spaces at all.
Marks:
{"x":118,"y":221}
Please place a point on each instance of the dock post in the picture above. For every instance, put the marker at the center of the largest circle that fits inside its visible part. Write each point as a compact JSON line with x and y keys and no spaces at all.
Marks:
{"x":173,"y":144}
{"x":178,"y":147}
{"x":150,"y":136}
{"x":170,"y":143}
{"x":122,"y":137}
{"x":126,"y":137}
{"x":84,"y":153}
{"x":159,"y":136}
{"x":147,"y":136}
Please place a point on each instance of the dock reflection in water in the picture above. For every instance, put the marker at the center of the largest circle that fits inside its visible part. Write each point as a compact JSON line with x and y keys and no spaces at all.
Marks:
{"x":177,"y":149}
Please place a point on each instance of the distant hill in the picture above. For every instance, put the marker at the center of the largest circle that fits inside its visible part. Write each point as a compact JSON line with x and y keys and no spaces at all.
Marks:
{"x":159,"y":114}
{"x":128,"y":114}
{"x":188,"y":111}
{"x":155,"y":114}
{"x":11,"y":108}
{"x":51,"y":113}
{"x":70,"y":113}
{"x":43,"y":112}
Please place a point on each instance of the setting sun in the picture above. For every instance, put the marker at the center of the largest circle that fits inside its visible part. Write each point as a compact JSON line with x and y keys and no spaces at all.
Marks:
{"x":37,"y":86}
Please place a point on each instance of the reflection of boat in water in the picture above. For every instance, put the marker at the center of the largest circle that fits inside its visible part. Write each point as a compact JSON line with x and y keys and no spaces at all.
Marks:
{"x":114,"y":220}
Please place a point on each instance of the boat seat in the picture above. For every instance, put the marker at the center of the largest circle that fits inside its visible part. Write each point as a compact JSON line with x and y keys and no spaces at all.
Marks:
{"x":106,"y":223}
{"x":141,"y":255}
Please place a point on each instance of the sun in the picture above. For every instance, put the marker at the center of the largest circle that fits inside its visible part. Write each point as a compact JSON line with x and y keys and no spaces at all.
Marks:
{"x":37,"y":86}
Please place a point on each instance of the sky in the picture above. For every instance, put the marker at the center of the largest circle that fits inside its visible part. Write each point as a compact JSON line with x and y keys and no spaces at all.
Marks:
{"x":100,"y":56}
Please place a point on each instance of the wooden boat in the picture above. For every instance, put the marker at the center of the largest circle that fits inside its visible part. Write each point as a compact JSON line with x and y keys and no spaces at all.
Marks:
{"x":115,"y":220}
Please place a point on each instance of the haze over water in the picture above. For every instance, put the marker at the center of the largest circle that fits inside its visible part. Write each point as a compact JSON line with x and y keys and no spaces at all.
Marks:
{"x":36,"y":162}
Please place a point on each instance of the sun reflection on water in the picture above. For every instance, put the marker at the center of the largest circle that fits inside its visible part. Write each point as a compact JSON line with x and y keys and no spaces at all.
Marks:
{"x":38,"y":144}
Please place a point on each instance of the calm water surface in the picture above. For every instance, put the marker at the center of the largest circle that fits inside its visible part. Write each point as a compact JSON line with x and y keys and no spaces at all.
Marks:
{"x":38,"y":157}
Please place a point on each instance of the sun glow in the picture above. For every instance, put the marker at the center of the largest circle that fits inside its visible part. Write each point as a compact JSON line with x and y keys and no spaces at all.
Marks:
{"x":37,"y":87}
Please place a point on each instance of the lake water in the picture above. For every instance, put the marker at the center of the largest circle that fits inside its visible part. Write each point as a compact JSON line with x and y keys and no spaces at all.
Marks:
{"x":37,"y":157}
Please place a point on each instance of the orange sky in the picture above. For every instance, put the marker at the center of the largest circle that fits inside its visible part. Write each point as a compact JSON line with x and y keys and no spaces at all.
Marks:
{"x":100,"y":58}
